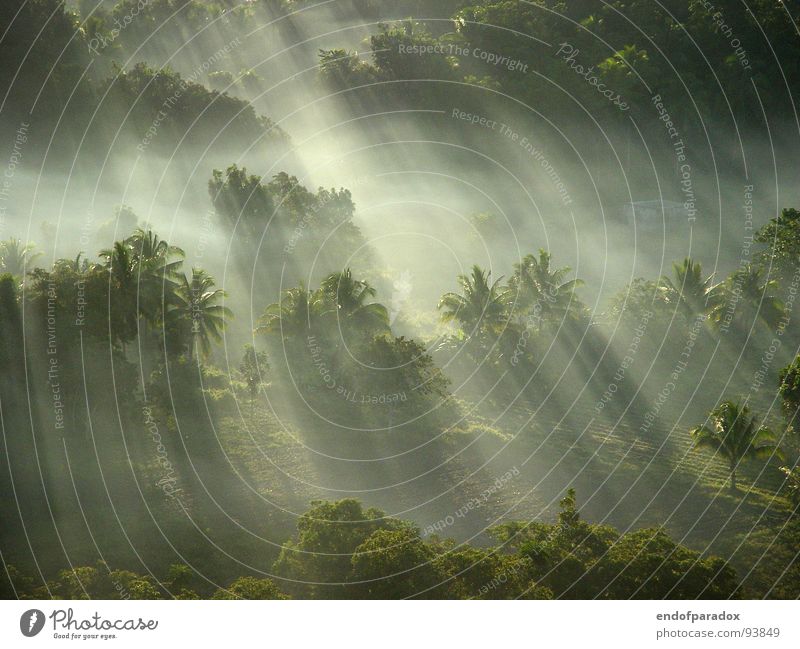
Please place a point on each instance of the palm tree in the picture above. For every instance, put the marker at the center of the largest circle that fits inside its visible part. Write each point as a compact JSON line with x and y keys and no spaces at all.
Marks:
{"x":153,"y":267}
{"x":77,"y":265}
{"x":15,"y":258}
{"x":348,"y":299}
{"x":157,"y":263}
{"x":198,"y":305}
{"x":147,"y":245}
{"x":122,"y":282}
{"x":150,"y":250}
{"x":695,"y":295}
{"x":746,"y":299}
{"x":480,"y":308}
{"x":734,"y":434}
{"x":296,"y":311}
{"x":537,"y":287}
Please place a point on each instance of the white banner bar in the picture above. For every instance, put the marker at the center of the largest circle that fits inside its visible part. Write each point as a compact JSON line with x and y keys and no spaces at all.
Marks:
{"x":373,"y":624}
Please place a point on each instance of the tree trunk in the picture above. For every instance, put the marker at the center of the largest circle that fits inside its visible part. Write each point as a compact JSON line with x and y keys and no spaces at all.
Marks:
{"x":734,"y":488}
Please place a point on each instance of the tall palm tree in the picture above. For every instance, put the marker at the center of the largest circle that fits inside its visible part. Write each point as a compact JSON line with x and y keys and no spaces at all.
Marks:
{"x":349,"y":300}
{"x":198,"y":305}
{"x":695,"y":295}
{"x":735,"y":435}
{"x":15,"y":257}
{"x":537,"y":287}
{"x":480,"y":309}
{"x":746,"y":298}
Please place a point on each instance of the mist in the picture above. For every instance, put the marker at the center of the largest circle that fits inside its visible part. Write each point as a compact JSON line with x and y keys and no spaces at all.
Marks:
{"x":448,"y":260}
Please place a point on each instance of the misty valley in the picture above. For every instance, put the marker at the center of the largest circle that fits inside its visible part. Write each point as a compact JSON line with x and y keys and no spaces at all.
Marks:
{"x":355,"y":299}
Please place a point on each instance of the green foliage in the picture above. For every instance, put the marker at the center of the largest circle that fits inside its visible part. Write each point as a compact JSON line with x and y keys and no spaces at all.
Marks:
{"x":486,"y":573}
{"x":391,"y":48}
{"x":562,"y":555}
{"x":98,"y":582}
{"x":641,"y":297}
{"x":59,"y":60}
{"x":647,"y":564}
{"x":618,"y":56}
{"x":395,"y":564}
{"x":138,"y":281}
{"x":337,"y":345}
{"x":406,"y":366}
{"x":375,"y":557}
{"x":283,"y":219}
{"x":576,"y":559}
{"x":339,"y":68}
{"x":185,"y":110}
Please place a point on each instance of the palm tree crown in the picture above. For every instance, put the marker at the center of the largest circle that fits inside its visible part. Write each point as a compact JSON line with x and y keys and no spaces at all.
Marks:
{"x":537,"y":287}
{"x":747,"y":298}
{"x":15,"y":257}
{"x":695,"y":295}
{"x":348,"y":299}
{"x":295,"y":312}
{"x":480,"y":308}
